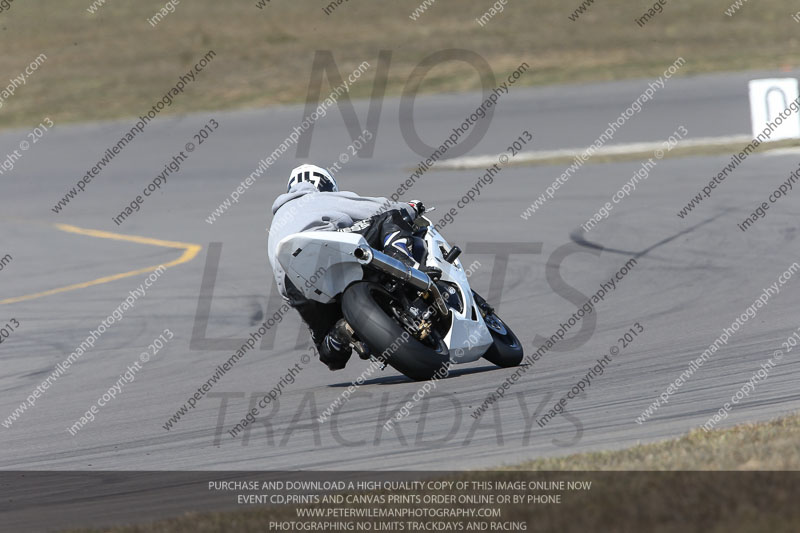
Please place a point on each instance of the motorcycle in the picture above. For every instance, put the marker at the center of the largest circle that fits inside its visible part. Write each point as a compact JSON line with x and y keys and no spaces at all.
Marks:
{"x":396,"y":314}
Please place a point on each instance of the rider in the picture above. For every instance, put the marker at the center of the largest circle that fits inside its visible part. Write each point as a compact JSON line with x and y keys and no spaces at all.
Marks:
{"x":313,"y":202}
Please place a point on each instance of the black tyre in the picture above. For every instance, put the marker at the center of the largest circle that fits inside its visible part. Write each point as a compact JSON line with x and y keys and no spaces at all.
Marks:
{"x":506,"y":350}
{"x":367,"y":307}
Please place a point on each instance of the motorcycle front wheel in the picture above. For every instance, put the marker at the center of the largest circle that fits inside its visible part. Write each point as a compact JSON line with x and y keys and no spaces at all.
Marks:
{"x":506,"y":349}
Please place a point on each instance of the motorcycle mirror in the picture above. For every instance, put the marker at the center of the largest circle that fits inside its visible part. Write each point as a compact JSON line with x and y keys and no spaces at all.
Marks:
{"x":453,"y":254}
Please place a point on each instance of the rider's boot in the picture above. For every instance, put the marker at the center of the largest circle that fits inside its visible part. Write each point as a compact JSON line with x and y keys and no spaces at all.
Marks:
{"x":335,"y":350}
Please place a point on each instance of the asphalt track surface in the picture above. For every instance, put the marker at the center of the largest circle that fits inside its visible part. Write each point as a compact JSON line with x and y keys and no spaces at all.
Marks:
{"x":695,"y":277}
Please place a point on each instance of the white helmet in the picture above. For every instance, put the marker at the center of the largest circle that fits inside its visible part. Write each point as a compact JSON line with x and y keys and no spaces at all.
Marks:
{"x":318,"y":176}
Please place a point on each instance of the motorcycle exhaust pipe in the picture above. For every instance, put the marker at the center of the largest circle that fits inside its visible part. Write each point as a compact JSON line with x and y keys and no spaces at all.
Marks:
{"x":397,"y":269}
{"x":393,"y":267}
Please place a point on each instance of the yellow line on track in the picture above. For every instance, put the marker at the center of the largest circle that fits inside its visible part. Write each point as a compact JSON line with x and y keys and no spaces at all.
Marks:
{"x":190,"y":251}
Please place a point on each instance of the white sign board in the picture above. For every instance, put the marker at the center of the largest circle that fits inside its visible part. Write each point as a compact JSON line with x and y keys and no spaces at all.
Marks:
{"x":768,"y":98}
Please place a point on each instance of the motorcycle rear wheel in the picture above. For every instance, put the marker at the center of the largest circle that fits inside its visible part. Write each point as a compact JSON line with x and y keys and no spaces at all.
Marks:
{"x":367,"y":307}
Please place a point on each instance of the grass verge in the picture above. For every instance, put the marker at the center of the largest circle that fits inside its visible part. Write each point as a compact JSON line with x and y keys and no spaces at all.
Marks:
{"x":773,"y":445}
{"x":666,"y":500}
{"x":114,"y":64}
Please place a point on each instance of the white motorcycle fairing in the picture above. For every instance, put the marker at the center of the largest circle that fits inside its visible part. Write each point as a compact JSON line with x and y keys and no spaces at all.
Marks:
{"x":322,"y":264}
